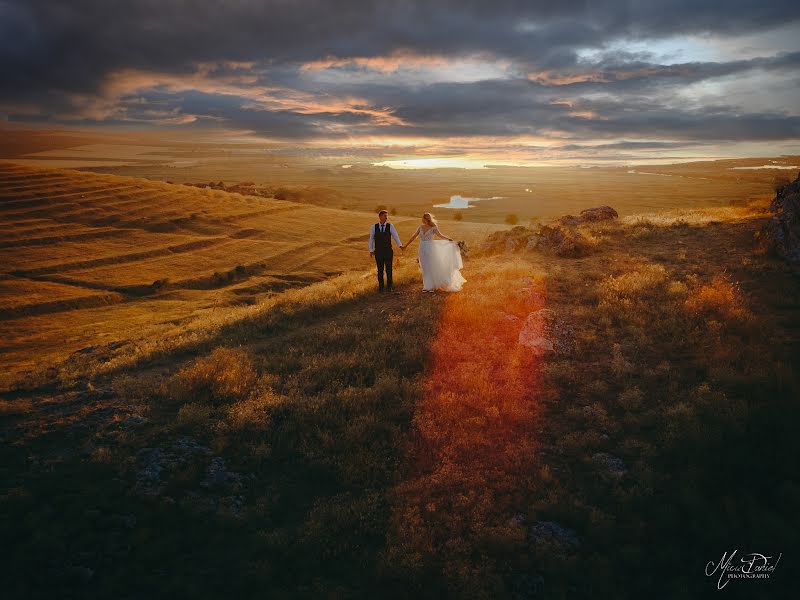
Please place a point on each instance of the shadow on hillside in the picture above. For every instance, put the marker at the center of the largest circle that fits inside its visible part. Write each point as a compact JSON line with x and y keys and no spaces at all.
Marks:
{"x":260,"y":487}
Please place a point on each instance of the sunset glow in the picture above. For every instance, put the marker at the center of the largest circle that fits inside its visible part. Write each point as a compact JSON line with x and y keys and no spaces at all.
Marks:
{"x":591,"y":86}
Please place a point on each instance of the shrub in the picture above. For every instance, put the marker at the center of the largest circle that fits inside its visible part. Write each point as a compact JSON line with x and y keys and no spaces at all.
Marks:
{"x":193,"y":414}
{"x":251,"y":414}
{"x":720,"y":298}
{"x":458,"y":217}
{"x":622,"y":290}
{"x":225,"y":375}
{"x":512,"y":219}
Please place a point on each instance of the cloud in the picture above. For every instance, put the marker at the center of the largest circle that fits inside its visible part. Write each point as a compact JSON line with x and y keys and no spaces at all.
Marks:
{"x":504,"y":70}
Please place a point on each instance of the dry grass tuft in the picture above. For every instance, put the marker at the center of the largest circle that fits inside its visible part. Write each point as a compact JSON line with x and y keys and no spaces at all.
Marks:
{"x":251,"y":414}
{"x":193,"y":414}
{"x":720,"y":298}
{"x":225,"y":375}
{"x":622,"y":291}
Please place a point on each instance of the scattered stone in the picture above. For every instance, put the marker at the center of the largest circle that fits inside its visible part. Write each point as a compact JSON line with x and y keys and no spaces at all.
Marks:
{"x":614,"y":465}
{"x":132,"y":422}
{"x":157,"y":462}
{"x":217,"y":475}
{"x":551,"y":533}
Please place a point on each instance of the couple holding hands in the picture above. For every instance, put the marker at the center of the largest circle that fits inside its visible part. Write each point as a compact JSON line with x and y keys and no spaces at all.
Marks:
{"x":439,"y":259}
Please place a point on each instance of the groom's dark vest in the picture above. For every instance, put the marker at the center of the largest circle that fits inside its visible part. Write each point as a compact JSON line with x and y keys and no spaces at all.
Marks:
{"x":383,"y":241}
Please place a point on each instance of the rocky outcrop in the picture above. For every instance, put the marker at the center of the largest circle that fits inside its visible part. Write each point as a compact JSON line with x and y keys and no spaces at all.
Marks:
{"x":560,"y":241}
{"x":781,"y":235}
{"x":590,"y":215}
{"x":550,"y":239}
{"x":563,"y":238}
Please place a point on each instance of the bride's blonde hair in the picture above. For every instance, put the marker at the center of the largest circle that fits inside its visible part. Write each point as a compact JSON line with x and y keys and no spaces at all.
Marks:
{"x":428,"y":218}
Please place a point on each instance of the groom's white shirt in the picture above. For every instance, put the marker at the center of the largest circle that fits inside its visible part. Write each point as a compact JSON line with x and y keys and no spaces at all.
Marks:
{"x":392,"y":230}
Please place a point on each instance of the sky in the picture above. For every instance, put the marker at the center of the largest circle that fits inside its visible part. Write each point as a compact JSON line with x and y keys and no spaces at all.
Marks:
{"x":481,"y":81}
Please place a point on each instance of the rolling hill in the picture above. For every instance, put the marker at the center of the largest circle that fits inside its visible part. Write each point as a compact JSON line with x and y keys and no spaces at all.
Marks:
{"x":91,"y":261}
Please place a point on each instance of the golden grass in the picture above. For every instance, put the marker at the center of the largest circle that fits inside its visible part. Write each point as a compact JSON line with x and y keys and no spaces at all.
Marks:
{"x":224,"y":375}
{"x":720,"y":298}
{"x":101,"y":260}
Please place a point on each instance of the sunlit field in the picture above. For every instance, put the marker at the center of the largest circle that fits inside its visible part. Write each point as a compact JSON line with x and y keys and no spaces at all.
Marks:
{"x":96,"y":261}
{"x":350,"y":182}
{"x":203,"y":393}
{"x":327,"y":438}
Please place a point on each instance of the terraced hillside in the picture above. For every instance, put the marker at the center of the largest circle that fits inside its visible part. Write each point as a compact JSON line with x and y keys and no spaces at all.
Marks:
{"x":92,"y":261}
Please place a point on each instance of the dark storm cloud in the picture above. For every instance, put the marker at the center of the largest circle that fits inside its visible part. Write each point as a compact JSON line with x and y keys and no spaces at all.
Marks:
{"x":55,"y":56}
{"x":72,"y":45}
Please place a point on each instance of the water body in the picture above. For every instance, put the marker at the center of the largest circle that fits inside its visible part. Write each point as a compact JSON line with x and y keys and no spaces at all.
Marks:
{"x":463,"y":202}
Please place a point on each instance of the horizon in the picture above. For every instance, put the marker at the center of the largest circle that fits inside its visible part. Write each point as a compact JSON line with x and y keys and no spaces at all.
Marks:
{"x":498,"y":84}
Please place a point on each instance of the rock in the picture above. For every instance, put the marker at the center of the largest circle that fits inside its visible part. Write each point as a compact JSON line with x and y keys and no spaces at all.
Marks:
{"x":781,"y":235}
{"x":570,"y":220}
{"x":599,"y":213}
{"x":589,"y":215}
{"x":613,"y":465}
{"x":562,"y":242}
{"x":132,"y":422}
{"x":217,"y":475}
{"x":157,"y":462}
{"x":512,"y":244}
{"x":543,"y":332}
{"x":551,"y":533}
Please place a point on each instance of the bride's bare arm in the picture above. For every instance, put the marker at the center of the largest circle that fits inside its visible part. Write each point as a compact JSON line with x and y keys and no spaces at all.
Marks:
{"x":441,"y":235}
{"x":408,"y":243}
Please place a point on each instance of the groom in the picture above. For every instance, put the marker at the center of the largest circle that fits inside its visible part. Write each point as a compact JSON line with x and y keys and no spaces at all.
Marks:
{"x":380,"y":246}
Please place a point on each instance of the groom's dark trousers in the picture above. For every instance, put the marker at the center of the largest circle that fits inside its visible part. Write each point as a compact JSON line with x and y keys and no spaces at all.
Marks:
{"x":384,"y":259}
{"x":384,"y":255}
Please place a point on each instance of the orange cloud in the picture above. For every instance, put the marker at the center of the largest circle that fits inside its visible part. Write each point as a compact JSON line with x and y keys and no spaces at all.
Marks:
{"x":383,"y":64}
{"x":109,"y":103}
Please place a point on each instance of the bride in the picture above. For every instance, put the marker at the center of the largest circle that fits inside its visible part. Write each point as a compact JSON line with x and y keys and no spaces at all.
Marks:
{"x":439,"y":260}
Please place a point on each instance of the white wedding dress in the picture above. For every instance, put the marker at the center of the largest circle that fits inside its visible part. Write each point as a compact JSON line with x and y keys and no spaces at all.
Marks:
{"x":440,"y":262}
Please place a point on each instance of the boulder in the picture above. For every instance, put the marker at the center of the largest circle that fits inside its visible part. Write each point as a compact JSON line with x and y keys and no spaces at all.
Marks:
{"x":598,"y":213}
{"x":562,"y":242}
{"x":781,"y":235}
{"x":589,"y":215}
{"x":543,"y":332}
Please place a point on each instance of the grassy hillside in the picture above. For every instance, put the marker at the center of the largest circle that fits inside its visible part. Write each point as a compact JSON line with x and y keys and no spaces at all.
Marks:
{"x":92,"y":262}
{"x":332,"y":442}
